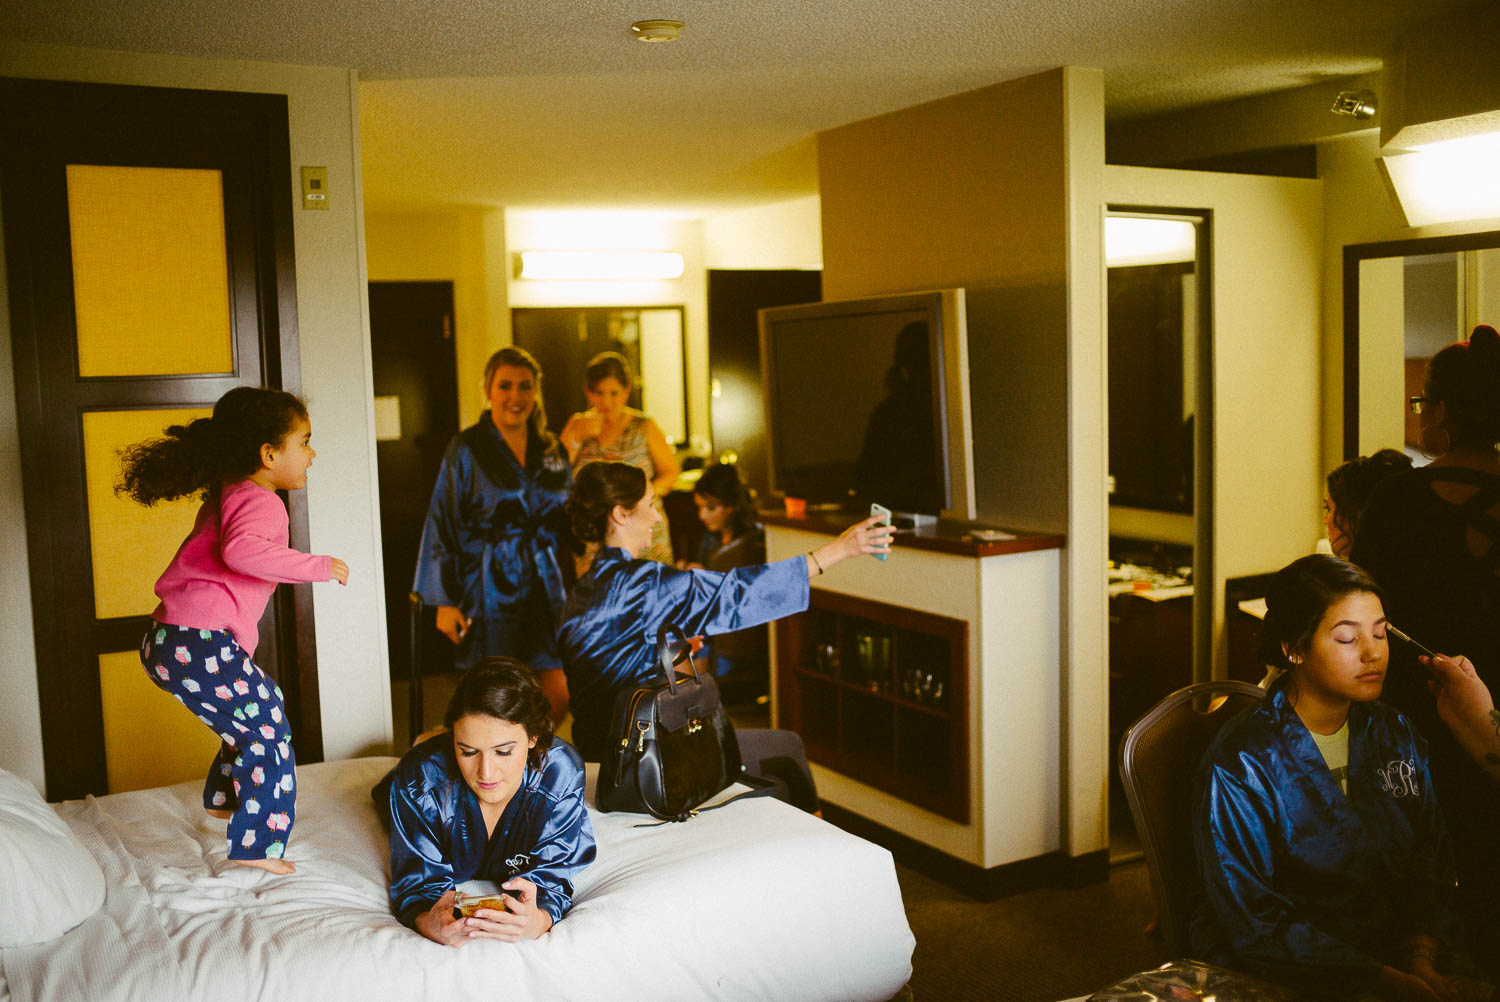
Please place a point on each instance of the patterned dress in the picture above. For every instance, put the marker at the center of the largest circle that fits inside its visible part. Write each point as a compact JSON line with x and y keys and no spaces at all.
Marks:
{"x":630,"y":447}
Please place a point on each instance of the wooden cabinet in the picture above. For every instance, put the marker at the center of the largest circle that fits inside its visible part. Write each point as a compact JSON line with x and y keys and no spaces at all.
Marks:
{"x":880,"y":693}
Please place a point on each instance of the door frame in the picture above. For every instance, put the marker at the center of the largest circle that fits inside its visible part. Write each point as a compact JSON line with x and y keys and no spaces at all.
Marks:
{"x":31,"y":112}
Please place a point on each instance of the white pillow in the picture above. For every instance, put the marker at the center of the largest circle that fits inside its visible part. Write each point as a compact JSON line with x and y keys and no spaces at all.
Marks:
{"x":48,"y":881}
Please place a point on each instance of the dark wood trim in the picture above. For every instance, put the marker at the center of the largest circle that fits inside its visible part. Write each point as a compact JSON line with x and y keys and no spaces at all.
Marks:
{"x":245,"y":136}
{"x":1353,"y":255}
{"x":1051,"y":870}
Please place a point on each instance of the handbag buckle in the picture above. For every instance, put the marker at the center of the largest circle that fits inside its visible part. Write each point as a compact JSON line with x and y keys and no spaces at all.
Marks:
{"x":695,"y":725}
{"x":642,"y":727}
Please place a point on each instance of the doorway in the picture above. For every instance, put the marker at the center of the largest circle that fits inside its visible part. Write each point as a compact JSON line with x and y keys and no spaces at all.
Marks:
{"x":1159,"y":377}
{"x":414,"y":372}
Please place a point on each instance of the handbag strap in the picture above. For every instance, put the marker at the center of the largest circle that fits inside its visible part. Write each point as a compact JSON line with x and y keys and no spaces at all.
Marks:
{"x":759,"y":787}
{"x":669,"y":660}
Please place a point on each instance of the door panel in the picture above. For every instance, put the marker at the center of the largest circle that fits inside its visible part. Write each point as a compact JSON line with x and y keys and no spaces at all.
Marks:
{"x":149,"y":739}
{"x":148,"y":237}
{"x":150,"y":275}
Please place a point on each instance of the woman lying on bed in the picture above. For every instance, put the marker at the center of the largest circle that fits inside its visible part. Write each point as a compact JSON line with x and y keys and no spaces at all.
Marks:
{"x":494,"y":797}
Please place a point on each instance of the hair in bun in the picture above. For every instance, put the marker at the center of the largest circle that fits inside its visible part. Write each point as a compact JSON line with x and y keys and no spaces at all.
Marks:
{"x":597,"y":489}
{"x":1465,"y":377}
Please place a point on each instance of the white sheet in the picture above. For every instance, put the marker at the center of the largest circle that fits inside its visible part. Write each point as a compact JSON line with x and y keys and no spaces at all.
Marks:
{"x":754,"y":901}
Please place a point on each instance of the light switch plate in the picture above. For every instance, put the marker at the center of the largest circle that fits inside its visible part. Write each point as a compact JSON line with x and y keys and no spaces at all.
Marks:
{"x":315,"y":187}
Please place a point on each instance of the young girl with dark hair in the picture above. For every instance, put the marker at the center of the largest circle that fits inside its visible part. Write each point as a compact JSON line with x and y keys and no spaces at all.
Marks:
{"x":608,"y":633}
{"x":1431,"y":537}
{"x":732,"y":538}
{"x":1319,"y":842}
{"x":494,"y":797}
{"x":200,"y":645}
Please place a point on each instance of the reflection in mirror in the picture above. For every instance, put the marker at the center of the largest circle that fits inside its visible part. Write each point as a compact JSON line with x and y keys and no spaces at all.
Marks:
{"x":563,"y":339}
{"x":1410,"y":305}
{"x":1403,"y":302}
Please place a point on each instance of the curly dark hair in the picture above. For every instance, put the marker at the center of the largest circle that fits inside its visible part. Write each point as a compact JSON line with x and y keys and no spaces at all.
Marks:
{"x":721,"y":482}
{"x":597,"y":489}
{"x":199,"y":458}
{"x":1465,"y":377}
{"x":1300,"y":593}
{"x":505,"y":689}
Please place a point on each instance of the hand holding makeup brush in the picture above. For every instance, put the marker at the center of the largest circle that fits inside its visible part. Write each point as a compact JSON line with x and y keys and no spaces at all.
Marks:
{"x":1468,"y":709}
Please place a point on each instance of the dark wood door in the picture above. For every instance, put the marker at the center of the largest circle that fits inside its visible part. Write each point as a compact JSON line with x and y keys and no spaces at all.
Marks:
{"x":59,"y":141}
{"x":737,"y":410}
{"x":415,"y":377}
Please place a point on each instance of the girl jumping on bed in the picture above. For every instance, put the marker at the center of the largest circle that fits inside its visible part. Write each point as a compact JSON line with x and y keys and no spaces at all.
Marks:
{"x":200,"y":645}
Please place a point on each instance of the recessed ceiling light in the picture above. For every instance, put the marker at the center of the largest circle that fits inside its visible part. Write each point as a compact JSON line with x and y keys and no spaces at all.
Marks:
{"x":657,"y":31}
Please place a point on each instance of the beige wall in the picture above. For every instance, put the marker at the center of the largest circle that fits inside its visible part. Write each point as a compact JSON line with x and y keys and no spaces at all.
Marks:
{"x":466,"y":247}
{"x":780,"y":235}
{"x":998,"y":190}
{"x":334,"y":341}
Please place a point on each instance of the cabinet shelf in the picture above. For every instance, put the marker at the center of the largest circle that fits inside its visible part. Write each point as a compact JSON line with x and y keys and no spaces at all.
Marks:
{"x":879,"y":693}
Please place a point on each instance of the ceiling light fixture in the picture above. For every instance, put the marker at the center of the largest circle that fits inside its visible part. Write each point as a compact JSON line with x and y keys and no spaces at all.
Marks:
{"x":657,"y":31}
{"x":1447,"y":182}
{"x":596,"y":266}
{"x":1359,"y":104}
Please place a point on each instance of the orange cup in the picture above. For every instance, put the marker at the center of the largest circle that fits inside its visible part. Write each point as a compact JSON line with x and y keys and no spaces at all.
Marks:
{"x":796,"y":507}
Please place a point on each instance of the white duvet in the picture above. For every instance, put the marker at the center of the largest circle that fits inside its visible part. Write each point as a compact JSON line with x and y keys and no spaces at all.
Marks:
{"x":753,"y":901}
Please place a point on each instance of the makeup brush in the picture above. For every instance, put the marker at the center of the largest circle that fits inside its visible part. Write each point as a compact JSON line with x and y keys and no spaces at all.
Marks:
{"x":1401,"y":636}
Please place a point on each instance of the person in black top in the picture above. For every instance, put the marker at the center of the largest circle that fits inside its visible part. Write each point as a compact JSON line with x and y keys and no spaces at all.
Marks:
{"x":1431,"y":537}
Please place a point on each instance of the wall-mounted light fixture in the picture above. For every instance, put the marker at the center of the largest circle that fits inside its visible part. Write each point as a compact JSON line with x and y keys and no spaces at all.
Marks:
{"x":1137,"y":240}
{"x":1446,"y":182}
{"x":599,"y":266}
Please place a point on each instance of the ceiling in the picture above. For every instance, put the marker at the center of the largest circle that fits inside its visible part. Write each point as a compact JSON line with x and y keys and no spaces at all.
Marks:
{"x":507,"y":102}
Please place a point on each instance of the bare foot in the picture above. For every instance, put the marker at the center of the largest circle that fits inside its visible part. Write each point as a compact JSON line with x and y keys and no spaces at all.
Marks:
{"x":219,"y":812}
{"x":281,"y":866}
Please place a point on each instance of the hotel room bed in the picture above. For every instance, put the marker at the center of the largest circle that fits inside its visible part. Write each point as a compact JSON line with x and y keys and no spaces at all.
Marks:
{"x":754,"y":901}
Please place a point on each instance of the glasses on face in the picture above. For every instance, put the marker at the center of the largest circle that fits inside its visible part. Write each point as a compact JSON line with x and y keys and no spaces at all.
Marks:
{"x":1417,"y":403}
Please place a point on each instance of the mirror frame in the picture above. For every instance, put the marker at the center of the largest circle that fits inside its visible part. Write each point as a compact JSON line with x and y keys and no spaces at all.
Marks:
{"x":1353,"y":255}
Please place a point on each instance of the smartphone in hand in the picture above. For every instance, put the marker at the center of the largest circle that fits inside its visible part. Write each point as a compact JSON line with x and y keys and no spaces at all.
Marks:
{"x":884,"y":514}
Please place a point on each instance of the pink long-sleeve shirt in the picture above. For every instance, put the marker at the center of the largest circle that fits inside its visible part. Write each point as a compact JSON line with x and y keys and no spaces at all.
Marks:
{"x":225,"y":571}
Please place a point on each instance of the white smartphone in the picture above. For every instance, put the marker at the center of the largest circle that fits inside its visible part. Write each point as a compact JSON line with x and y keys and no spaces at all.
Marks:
{"x":884,"y":514}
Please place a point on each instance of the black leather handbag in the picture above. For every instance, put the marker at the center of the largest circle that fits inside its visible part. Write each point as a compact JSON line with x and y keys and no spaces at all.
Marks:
{"x":672,"y":746}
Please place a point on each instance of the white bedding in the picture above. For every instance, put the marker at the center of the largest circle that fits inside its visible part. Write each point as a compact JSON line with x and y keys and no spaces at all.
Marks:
{"x":754,"y":901}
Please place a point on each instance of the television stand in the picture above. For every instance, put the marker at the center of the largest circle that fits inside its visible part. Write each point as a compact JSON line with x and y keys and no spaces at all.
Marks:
{"x":967,"y":764}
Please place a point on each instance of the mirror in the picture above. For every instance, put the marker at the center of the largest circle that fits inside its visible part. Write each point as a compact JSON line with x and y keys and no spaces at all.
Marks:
{"x":563,"y":339}
{"x":1403,"y":301}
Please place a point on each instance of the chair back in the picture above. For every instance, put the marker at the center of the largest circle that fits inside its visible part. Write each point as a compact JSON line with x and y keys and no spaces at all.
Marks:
{"x":1159,"y":758}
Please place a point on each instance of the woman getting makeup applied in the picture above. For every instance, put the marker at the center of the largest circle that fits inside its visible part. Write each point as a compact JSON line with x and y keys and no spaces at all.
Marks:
{"x":1431,"y":537}
{"x":1319,"y":842}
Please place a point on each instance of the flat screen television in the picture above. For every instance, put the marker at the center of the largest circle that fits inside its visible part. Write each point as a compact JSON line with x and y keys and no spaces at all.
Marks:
{"x":868,"y":400}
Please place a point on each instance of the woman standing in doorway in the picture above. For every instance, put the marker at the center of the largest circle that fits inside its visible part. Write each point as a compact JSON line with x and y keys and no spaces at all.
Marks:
{"x":488,"y":560}
{"x":611,"y":431}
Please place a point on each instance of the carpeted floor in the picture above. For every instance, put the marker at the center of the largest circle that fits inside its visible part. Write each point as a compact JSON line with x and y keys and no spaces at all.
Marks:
{"x":1036,"y":947}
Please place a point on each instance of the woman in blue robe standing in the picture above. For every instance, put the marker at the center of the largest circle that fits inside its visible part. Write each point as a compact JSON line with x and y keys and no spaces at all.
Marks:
{"x":1323,"y":855}
{"x":607,"y":638}
{"x":488,"y":560}
{"x":495,"y":797}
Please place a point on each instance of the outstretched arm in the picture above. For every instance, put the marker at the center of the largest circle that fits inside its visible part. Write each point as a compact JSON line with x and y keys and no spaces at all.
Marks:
{"x":1466,"y":705}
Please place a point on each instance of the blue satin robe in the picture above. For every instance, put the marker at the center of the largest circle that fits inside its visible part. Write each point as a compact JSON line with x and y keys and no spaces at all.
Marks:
{"x":1304,"y":885}
{"x":491,"y":540}
{"x":608,"y":634}
{"x":438,"y":837}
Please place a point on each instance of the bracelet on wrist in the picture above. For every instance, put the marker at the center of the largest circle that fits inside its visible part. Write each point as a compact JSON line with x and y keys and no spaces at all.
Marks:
{"x":815,"y":561}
